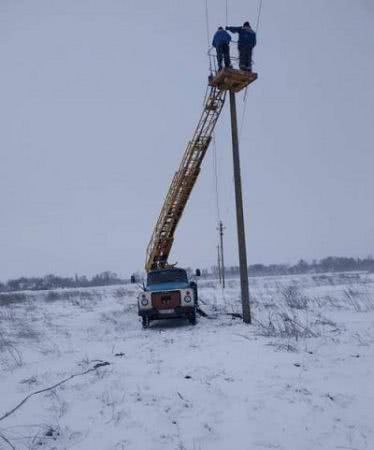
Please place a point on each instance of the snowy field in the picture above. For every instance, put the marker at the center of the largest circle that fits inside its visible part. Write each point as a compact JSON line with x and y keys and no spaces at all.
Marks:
{"x":300,"y":378}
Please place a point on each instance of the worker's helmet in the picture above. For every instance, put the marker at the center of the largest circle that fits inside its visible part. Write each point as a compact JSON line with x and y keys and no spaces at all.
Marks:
{"x":246,"y":24}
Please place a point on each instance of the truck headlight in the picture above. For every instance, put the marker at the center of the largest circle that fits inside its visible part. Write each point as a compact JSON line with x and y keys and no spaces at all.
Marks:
{"x":144,"y":301}
{"x":188,"y":299}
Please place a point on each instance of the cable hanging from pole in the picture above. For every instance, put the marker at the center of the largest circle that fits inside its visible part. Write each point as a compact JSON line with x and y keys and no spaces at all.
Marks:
{"x":259,"y":15}
{"x":259,"y":11}
{"x":207,"y":23}
{"x":208,"y":35}
{"x":216,"y":187}
{"x":220,"y":227}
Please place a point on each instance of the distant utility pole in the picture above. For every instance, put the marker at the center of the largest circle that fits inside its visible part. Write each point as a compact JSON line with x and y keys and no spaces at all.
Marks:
{"x":219,"y":265}
{"x":239,"y":213}
{"x":222,"y":260}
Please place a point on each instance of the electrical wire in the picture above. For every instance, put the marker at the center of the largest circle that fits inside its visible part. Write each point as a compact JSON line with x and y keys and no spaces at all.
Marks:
{"x":259,"y":12}
{"x":207,"y":23}
{"x":215,"y":170}
{"x":259,"y":15}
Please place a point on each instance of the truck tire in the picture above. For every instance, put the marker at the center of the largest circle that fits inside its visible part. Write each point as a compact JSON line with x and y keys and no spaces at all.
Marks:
{"x":193,"y":286}
{"x":192,"y":317}
{"x":145,"y":322}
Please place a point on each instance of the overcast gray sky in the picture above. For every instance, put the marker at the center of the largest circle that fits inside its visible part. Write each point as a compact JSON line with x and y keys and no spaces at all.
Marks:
{"x":98,"y":99}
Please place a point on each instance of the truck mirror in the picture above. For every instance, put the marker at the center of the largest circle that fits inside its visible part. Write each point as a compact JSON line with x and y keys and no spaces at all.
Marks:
{"x":133,"y":279}
{"x":198,"y":273}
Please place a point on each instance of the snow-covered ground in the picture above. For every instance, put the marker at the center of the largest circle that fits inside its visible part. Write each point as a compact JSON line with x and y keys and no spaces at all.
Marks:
{"x":300,"y":378}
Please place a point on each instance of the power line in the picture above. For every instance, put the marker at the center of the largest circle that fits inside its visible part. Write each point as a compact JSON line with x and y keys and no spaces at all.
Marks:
{"x":215,"y":169}
{"x":259,"y":15}
{"x":259,"y":12}
{"x":207,"y":22}
{"x":220,"y":228}
{"x":243,"y":113}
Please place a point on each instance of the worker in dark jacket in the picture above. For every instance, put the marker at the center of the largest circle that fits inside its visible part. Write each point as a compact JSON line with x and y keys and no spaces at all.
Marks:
{"x":246,"y":43}
{"x":221,"y":42}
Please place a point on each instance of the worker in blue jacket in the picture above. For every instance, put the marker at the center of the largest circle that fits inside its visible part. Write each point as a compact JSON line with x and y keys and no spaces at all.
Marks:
{"x":246,"y":43}
{"x":221,"y":42}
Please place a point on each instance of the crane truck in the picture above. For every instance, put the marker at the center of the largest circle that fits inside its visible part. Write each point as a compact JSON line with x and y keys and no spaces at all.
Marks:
{"x":168,"y":292}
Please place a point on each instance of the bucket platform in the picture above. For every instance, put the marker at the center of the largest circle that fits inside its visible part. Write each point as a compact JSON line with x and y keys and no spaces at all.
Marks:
{"x":233,"y":80}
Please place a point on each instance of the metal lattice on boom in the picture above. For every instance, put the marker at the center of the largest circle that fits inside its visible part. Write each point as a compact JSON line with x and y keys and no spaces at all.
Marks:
{"x":162,"y":239}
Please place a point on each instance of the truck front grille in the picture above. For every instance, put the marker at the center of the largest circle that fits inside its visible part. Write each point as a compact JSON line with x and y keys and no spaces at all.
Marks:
{"x":166,"y":300}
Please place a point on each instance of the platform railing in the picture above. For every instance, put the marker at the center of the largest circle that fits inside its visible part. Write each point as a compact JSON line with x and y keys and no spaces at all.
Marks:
{"x":234,"y":57}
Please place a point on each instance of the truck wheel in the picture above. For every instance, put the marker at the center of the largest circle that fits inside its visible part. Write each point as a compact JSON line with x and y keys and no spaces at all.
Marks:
{"x":145,"y":321}
{"x":192,"y":318}
{"x":193,"y":286}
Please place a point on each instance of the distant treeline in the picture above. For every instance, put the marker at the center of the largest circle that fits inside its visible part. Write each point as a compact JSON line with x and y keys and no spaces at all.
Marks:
{"x":330,"y":264}
{"x":54,"y":282}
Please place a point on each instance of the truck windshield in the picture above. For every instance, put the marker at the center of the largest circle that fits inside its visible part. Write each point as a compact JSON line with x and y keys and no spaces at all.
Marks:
{"x":167,"y":276}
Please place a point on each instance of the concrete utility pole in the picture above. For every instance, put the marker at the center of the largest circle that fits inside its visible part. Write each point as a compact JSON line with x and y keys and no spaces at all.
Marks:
{"x":219,"y":265}
{"x":239,"y":213}
{"x":220,"y":228}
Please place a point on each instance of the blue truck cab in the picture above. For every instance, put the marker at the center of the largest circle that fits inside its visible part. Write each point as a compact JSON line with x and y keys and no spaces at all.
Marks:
{"x":168,"y":294}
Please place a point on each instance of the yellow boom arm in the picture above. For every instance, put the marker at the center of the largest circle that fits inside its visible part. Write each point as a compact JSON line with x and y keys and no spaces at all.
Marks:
{"x":159,"y":247}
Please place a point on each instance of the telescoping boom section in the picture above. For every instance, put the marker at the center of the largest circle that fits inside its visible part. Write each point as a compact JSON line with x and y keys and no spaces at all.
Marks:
{"x":183,"y":182}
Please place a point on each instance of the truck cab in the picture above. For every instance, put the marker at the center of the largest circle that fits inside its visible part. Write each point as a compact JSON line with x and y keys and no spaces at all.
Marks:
{"x":168,"y":294}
